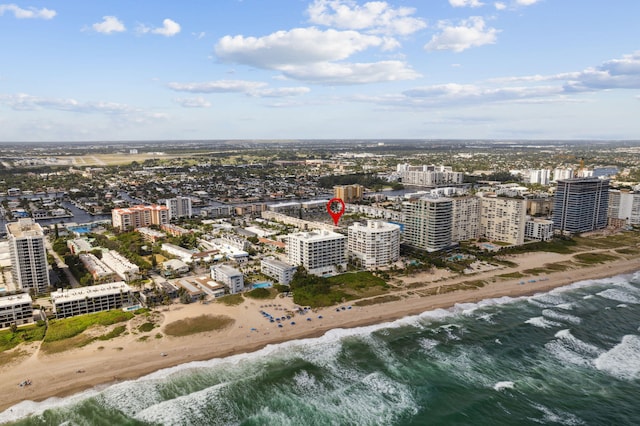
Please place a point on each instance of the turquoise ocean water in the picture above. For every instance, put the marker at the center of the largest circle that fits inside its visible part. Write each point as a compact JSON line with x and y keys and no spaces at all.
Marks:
{"x":567,"y":357}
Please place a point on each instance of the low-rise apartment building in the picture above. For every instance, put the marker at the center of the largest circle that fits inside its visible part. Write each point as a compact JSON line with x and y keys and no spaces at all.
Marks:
{"x":15,"y":309}
{"x":278,"y":270}
{"x":139,"y":216}
{"x":86,"y":300}
{"x":230,"y":277}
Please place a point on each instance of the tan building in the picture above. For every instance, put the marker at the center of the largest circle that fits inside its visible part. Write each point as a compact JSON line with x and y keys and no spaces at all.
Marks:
{"x":348,"y":193}
{"x":540,"y":206}
{"x":28,"y":255}
{"x":503,"y":219}
{"x":139,"y":216}
{"x":465,"y":219}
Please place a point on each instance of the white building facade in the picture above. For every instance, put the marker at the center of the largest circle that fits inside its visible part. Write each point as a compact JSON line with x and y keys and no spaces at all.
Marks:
{"x":15,"y":309}
{"x":179,"y":207}
{"x":538,"y":229}
{"x":278,"y":270}
{"x":28,"y":255}
{"x":230,"y":277}
{"x":320,"y":252}
{"x":86,"y":300}
{"x":428,"y":223}
{"x":375,"y":244}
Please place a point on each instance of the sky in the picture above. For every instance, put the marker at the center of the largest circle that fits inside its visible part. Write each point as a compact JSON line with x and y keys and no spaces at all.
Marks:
{"x":123,"y":70}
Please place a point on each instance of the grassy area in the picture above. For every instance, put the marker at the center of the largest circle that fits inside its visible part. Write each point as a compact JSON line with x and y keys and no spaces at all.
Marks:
{"x":378,"y":300}
{"x":627,"y":251}
{"x":358,"y":281}
{"x":199,"y":324}
{"x":511,"y":275}
{"x":231,"y":299}
{"x":117,"y":331}
{"x":594,"y":258}
{"x":31,"y":333}
{"x":146,"y":327}
{"x":262,"y":293}
{"x":60,"y":329}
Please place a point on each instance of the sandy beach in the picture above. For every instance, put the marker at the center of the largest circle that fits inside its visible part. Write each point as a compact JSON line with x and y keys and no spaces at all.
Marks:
{"x":129,"y":357}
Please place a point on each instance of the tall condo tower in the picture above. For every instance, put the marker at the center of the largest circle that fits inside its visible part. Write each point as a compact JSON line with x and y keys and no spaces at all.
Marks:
{"x":28,"y":255}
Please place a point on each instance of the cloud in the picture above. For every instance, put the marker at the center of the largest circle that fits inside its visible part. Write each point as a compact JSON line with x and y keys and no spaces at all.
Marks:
{"x":352,"y":73}
{"x":109,"y":24}
{"x":310,"y":54}
{"x":450,"y":93}
{"x":120,"y":112}
{"x":250,"y":88}
{"x":470,"y":33}
{"x":465,"y":3}
{"x":220,"y":86}
{"x":499,"y":5}
{"x":197,"y":102}
{"x":30,"y":13}
{"x":376,"y":17}
{"x":169,"y":28}
{"x":526,"y":2}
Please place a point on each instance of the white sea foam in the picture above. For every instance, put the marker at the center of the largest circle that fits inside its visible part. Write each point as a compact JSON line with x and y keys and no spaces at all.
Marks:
{"x":619,"y":296}
{"x":588,"y":296}
{"x":578,"y":345}
{"x":427,"y":344}
{"x":561,"y":316}
{"x":27,"y":408}
{"x":542,"y":322}
{"x":565,"y":306}
{"x":557,"y":416}
{"x":503,"y":385}
{"x":623,"y":360}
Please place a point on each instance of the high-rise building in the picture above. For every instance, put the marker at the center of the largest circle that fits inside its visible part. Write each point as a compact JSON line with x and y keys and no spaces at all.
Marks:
{"x":138,"y":216}
{"x":320,"y":252}
{"x":428,"y":223}
{"x":541,"y":176}
{"x":560,"y":174}
{"x":348,"y":193}
{"x":624,"y":205}
{"x":465,"y":222}
{"x":375,"y":244}
{"x":580,"y":205}
{"x":179,"y":207}
{"x":429,"y":175}
{"x":538,"y":229}
{"x":503,"y":218}
{"x":28,"y":255}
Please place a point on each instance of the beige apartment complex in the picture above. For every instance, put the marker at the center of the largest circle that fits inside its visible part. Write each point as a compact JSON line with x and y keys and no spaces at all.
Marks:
{"x":139,"y":216}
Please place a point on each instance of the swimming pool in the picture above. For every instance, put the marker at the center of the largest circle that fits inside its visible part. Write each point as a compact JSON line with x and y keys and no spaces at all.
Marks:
{"x":80,"y":229}
{"x":265,"y":284}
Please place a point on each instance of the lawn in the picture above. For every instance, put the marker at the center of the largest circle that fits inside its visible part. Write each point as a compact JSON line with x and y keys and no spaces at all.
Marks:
{"x":30,"y":333}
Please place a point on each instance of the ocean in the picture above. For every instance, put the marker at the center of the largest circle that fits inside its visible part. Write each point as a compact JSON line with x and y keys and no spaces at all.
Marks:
{"x":567,"y":357}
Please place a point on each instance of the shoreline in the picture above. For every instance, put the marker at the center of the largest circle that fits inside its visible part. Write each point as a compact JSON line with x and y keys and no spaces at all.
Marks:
{"x":125,"y":358}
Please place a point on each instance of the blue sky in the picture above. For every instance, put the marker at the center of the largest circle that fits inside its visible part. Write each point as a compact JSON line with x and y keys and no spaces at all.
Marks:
{"x":291,"y":69}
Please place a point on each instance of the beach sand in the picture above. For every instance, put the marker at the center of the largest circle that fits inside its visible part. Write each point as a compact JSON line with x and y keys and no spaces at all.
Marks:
{"x":126,"y":357}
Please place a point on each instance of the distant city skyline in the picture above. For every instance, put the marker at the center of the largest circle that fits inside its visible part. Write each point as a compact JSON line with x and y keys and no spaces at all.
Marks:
{"x":319,"y":69}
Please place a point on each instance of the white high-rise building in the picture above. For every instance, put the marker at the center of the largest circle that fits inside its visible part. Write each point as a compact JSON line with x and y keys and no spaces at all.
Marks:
{"x":428,"y":223}
{"x":28,"y":255}
{"x":559,"y":174}
{"x":320,"y":252}
{"x":179,"y":207}
{"x":465,"y":223}
{"x":538,"y":229}
{"x":375,"y":244}
{"x":541,"y":176}
{"x":624,"y":205}
{"x":503,"y":219}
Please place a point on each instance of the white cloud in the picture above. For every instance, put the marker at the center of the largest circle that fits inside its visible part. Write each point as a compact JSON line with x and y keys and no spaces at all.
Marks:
{"x":499,"y":5}
{"x":377,"y":17}
{"x":526,"y":2}
{"x":109,"y":24}
{"x":219,"y":86}
{"x":30,"y":13}
{"x":352,"y":73}
{"x":465,"y":3}
{"x":197,"y":102}
{"x":169,"y":28}
{"x":250,"y":88}
{"x":310,"y":54}
{"x":296,"y":46}
{"x":470,"y":33}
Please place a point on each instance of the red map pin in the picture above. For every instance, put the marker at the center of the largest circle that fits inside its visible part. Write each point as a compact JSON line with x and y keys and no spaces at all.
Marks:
{"x":335,"y":207}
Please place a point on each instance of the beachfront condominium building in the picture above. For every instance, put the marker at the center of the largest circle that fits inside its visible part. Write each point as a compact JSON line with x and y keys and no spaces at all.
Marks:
{"x":624,"y":205}
{"x":375,"y":244}
{"x":502,"y":218}
{"x":580,"y":205}
{"x":320,"y":252}
{"x":230,"y":277}
{"x":179,"y":207}
{"x":28,"y":255}
{"x":278,"y":270}
{"x":428,"y":223}
{"x":561,"y":174}
{"x":15,"y":309}
{"x":538,"y":229}
{"x":86,"y":300}
{"x":465,"y":222}
{"x":139,"y":216}
{"x":348,"y":193}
